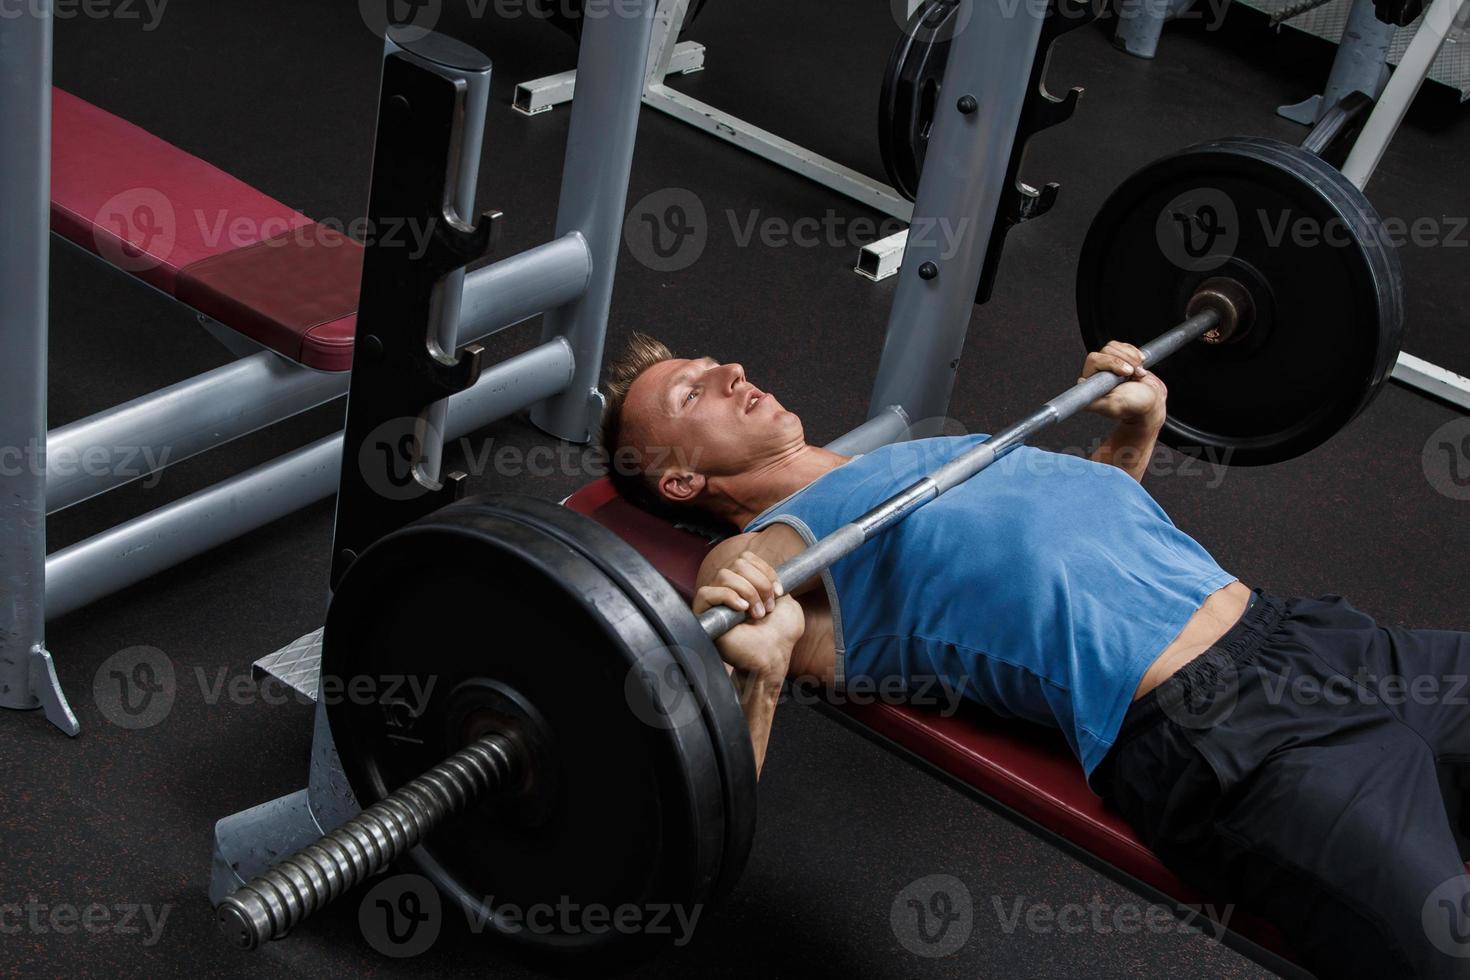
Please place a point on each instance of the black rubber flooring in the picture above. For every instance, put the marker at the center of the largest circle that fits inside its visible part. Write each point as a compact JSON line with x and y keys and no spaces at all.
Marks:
{"x":282,"y":95}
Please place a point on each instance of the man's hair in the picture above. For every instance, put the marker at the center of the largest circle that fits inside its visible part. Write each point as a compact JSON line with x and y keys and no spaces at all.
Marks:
{"x":626,"y":465}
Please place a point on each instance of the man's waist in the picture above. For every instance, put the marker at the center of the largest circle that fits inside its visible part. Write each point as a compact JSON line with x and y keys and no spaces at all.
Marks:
{"x":1189,"y":693}
{"x":1219,"y":613}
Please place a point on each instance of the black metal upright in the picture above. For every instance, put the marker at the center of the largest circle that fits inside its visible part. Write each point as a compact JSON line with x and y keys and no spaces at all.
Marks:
{"x":424,"y":164}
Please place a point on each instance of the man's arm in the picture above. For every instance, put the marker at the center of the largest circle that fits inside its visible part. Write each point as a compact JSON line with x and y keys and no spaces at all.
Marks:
{"x":740,"y":573}
{"x":1130,"y":447}
{"x":1138,"y":405}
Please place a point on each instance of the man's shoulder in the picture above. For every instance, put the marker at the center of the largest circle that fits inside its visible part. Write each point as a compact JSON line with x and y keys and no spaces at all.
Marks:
{"x":776,"y":543}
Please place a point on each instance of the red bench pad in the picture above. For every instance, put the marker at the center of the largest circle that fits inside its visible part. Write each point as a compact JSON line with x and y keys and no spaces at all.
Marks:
{"x":1024,"y":767}
{"x":296,"y":293}
{"x":155,"y":211}
{"x":145,"y":204}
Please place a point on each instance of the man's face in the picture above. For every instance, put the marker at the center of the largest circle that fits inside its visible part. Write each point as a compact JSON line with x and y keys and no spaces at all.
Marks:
{"x":705,"y":418}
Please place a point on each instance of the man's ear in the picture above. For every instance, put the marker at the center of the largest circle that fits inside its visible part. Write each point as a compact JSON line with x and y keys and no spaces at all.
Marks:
{"x":681,"y":486}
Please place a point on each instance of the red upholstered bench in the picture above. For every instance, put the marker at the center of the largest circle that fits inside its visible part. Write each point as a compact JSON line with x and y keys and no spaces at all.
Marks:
{"x":202,"y":236}
{"x":1026,"y":769}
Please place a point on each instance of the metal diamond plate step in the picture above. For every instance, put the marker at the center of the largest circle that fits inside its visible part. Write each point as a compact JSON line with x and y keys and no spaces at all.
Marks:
{"x":297,"y":664}
{"x":1451,"y":68}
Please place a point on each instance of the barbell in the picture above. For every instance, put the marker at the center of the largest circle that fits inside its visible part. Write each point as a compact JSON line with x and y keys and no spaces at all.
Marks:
{"x":612,"y":767}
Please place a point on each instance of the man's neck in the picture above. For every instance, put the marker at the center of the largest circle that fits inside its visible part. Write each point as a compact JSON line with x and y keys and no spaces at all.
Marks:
{"x":750,"y":494}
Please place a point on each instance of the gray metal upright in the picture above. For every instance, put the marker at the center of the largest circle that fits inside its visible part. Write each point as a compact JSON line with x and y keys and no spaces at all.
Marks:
{"x":27,"y":676}
{"x":594,"y":194}
{"x":1140,"y":22}
{"x":959,"y":195}
{"x":1360,"y":65}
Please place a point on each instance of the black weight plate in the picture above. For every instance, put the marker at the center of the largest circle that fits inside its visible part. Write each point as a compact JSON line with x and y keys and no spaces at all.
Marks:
{"x":719,"y":709}
{"x":636,"y":817}
{"x":1308,"y":245}
{"x":910,"y":93}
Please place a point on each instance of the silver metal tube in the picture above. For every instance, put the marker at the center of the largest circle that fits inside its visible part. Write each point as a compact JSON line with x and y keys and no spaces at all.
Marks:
{"x":594,"y":194}
{"x":890,"y":425}
{"x":160,"y":539}
{"x":959,"y":197}
{"x":144,"y":546}
{"x":25,"y":191}
{"x":125,"y":443}
{"x":846,"y":539}
{"x":513,"y":384}
{"x":513,"y":289}
{"x":141,"y":437}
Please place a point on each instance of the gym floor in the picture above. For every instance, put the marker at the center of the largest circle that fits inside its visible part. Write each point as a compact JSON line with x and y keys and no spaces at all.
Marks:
{"x":282,"y":95}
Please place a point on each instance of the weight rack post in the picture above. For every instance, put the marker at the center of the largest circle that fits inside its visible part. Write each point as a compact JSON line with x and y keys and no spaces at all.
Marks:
{"x":990,"y":59}
{"x":406,"y":355}
{"x":1360,"y":65}
{"x":27,"y":675}
{"x":444,"y":314}
{"x":594,"y":193}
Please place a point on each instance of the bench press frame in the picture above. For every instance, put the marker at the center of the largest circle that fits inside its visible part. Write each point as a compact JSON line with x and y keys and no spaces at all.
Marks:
{"x":927,"y":327}
{"x":568,"y":278}
{"x":926,"y":331}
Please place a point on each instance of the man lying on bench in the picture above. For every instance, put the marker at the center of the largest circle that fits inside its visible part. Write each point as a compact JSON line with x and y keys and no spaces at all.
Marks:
{"x":1254,"y":742}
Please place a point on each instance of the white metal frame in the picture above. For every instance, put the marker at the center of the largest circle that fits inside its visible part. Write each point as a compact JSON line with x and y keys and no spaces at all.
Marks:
{"x":1378,"y":131}
{"x":666,"y":55}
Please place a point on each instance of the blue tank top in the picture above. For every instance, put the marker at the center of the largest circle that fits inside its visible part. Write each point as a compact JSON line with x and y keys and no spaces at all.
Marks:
{"x":1042,"y":587}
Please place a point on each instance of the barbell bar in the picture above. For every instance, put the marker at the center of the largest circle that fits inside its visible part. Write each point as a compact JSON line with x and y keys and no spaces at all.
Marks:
{"x":269,"y":905}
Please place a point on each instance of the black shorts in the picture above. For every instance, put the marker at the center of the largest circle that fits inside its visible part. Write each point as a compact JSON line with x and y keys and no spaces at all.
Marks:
{"x":1311,"y":768}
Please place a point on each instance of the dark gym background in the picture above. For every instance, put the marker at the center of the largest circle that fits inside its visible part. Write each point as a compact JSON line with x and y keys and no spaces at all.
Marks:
{"x":282,"y":94}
